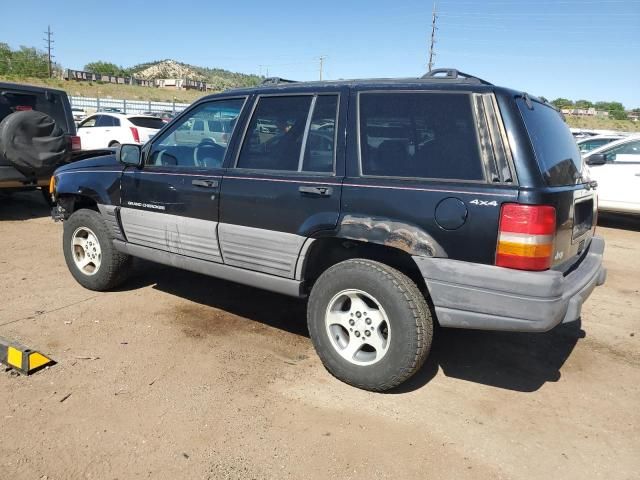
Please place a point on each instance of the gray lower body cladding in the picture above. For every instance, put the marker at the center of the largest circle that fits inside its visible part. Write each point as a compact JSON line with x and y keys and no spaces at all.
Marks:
{"x":265,"y":281}
{"x":468,"y":295}
{"x":191,"y":237}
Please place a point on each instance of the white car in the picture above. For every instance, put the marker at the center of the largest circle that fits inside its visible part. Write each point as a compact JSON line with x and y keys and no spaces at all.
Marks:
{"x":616,"y":168}
{"x":591,"y":143}
{"x":111,"y":129}
{"x":78,"y":113}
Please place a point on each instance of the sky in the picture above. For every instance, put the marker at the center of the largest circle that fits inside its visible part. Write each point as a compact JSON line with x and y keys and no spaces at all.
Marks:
{"x":587,"y":49}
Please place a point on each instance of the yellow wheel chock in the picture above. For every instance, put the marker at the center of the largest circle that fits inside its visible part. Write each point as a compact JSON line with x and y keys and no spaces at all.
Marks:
{"x":21,"y":358}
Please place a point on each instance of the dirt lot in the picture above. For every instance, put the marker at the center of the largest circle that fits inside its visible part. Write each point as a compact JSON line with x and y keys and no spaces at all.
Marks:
{"x":181,"y":376}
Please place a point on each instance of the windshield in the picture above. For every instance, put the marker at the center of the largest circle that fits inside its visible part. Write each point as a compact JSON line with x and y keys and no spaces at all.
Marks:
{"x":555,"y":148}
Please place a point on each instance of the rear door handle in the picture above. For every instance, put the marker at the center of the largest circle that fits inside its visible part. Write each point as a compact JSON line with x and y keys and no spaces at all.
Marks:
{"x":316,"y":191}
{"x":205,"y":183}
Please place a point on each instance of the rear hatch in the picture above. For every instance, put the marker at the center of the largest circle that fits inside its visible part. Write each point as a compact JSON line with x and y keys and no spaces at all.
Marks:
{"x":147,"y":126}
{"x":560,"y":163}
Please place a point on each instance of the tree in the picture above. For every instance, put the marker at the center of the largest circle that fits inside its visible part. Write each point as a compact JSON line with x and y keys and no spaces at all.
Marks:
{"x":619,"y":114}
{"x":25,"y":61}
{"x":584,"y":104}
{"x":5,"y":58}
{"x":107,"y":68}
{"x":562,"y":103}
{"x":609,"y":106}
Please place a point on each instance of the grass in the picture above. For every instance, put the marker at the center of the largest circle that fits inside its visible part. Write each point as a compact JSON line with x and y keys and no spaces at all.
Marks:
{"x":109,"y":90}
{"x":599,"y":123}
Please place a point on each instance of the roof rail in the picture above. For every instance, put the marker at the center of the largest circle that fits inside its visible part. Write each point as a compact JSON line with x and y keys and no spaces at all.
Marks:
{"x":276,"y":81}
{"x":452,"y":74}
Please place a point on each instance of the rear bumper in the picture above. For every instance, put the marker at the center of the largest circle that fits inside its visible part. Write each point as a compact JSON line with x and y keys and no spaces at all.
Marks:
{"x":469,"y":295}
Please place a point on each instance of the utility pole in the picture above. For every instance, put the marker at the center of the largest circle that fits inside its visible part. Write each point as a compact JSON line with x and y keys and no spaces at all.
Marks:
{"x":322,"y":59}
{"x":49,"y":41}
{"x":434,"y":16}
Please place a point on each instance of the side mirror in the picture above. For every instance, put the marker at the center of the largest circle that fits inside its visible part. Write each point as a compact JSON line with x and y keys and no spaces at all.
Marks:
{"x":596,"y":159}
{"x":130,"y":154}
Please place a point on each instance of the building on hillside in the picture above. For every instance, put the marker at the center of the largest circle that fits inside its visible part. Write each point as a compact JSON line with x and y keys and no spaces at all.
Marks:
{"x":585,"y":112}
{"x":181,"y":84}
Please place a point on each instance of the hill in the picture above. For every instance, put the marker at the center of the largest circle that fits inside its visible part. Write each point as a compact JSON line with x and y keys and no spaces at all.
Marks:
{"x":109,"y":90}
{"x":599,"y":123}
{"x":221,"y":79}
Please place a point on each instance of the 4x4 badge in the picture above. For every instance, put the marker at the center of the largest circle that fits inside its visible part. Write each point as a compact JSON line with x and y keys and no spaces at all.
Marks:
{"x":484,"y":203}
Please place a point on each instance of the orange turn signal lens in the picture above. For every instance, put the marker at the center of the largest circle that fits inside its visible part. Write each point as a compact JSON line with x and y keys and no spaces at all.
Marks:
{"x":52,"y":185}
{"x":525,"y":250}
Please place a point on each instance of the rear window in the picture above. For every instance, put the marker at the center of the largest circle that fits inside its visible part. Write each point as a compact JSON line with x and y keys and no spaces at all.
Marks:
{"x":555,"y":148}
{"x":423,"y":135}
{"x":17,"y":101}
{"x":146,"y":122}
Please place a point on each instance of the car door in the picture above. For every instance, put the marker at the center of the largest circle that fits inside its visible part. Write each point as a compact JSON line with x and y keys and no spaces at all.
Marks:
{"x":619,"y":178}
{"x":171,"y":204}
{"x":87,"y":133}
{"x":280,"y":191}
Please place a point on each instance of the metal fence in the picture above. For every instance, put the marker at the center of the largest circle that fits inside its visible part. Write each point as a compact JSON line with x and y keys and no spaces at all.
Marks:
{"x":126,"y":106}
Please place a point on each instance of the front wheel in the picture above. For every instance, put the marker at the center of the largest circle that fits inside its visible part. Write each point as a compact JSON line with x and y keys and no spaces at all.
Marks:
{"x":89,"y":252}
{"x":369,"y":323}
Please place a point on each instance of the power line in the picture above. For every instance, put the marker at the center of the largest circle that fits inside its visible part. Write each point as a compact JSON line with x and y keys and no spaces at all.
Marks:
{"x":49,"y":43}
{"x":434,"y":16}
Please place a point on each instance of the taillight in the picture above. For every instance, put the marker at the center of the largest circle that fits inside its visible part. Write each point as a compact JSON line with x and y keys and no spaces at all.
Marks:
{"x":76,"y":143}
{"x":526,"y":236}
{"x":136,"y":136}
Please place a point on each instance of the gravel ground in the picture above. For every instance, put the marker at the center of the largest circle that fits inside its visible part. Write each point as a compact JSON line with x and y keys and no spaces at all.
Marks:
{"x":180,"y":376}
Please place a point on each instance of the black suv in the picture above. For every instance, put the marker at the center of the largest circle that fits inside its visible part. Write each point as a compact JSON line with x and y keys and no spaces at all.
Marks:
{"x":392,"y":204}
{"x":37,"y":135}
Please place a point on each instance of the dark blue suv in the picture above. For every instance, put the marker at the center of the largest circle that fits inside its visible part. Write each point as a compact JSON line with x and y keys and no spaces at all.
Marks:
{"x":391,"y":204}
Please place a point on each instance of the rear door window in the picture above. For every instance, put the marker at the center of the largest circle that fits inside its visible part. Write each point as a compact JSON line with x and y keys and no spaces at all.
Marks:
{"x":554,"y":146}
{"x":278,"y":148}
{"x":419,"y":135}
{"x":107,"y":121}
{"x":319,"y":153}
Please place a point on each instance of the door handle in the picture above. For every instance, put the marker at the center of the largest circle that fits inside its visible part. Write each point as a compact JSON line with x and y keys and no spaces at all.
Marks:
{"x":316,"y":191}
{"x":205,"y":183}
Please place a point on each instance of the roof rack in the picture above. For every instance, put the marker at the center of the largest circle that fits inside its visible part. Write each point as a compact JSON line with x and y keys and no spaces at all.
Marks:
{"x":276,"y":81}
{"x":452,"y":74}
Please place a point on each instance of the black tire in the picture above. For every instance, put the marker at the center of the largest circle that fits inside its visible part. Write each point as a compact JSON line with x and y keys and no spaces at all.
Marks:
{"x":114,"y":266}
{"x":409,"y":317}
{"x":114,"y":144}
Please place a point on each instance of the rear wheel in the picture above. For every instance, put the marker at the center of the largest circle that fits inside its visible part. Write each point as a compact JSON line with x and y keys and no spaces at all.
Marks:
{"x":114,"y":144}
{"x":89,"y":252}
{"x":369,"y":323}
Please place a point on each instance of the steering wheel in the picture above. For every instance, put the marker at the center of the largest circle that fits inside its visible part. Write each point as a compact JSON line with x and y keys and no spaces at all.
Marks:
{"x":208,"y":154}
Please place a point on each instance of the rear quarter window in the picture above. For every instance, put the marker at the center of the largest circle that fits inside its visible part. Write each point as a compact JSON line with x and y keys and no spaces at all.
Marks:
{"x":147,"y":122}
{"x":555,"y":148}
{"x":419,"y":134}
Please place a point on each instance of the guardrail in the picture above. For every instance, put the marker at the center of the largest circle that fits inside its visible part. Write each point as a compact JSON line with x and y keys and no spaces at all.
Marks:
{"x":126,"y":106}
